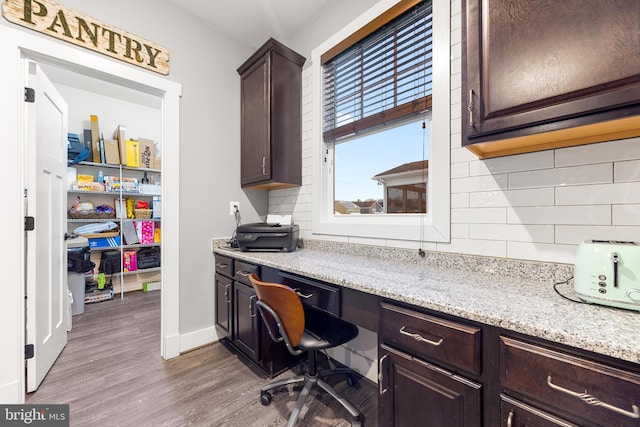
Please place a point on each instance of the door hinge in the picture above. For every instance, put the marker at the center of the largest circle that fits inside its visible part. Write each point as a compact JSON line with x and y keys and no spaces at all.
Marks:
{"x":29,"y":223}
{"x":29,"y":351}
{"x":29,"y":94}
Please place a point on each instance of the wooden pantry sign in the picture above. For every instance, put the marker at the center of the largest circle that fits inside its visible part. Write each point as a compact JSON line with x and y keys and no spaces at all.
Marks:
{"x":74,"y":27}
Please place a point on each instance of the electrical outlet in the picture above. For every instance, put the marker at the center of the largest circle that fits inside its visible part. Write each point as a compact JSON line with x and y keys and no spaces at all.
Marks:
{"x":233,"y":206}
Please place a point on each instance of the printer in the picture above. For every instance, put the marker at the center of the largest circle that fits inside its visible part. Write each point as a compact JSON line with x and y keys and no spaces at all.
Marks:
{"x":262,"y":236}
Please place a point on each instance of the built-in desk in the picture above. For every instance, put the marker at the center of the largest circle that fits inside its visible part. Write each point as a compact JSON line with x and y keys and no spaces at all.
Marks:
{"x":500,"y":322}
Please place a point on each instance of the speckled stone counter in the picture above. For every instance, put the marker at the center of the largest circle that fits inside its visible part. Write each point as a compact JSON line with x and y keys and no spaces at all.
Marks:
{"x":514,"y":295}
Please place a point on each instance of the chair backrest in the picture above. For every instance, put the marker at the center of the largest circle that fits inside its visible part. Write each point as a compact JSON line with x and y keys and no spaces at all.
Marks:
{"x":284,"y":302}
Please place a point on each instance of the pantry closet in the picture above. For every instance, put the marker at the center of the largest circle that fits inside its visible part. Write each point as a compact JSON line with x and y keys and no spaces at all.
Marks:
{"x":80,"y":75}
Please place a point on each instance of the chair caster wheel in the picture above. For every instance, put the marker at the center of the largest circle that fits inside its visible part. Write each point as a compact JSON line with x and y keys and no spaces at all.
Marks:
{"x":356,"y":422}
{"x":351,"y":381}
{"x":265,"y":398}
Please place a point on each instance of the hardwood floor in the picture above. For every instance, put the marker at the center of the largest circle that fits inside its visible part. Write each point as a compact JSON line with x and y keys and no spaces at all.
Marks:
{"x":111,"y":374}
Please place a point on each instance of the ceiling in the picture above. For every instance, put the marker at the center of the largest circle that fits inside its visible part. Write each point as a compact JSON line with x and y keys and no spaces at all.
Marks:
{"x":251,"y":22}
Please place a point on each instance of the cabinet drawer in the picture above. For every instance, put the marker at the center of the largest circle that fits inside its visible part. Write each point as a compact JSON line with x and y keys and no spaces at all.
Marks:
{"x":430,"y":337}
{"x":315,"y":294}
{"x":589,"y":389}
{"x":514,"y":413}
{"x":242,"y":271}
{"x":224,"y":265}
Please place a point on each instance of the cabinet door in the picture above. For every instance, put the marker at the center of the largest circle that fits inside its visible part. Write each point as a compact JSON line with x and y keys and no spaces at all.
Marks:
{"x":223,"y":294}
{"x":255,"y":161}
{"x":246,"y":332}
{"x":534,"y":67}
{"x":414,"y":393}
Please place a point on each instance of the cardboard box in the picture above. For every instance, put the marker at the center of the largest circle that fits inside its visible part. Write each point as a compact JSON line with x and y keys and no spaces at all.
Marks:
{"x":151,"y":189}
{"x":133,"y":153}
{"x":95,"y":138}
{"x":151,"y":286}
{"x":147,"y":153}
{"x":111,"y":152}
{"x":104,"y":242}
{"x":158,"y":163}
{"x":119,"y":135}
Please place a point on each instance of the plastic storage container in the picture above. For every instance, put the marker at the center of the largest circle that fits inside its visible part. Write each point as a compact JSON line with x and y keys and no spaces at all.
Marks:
{"x":78,"y":263}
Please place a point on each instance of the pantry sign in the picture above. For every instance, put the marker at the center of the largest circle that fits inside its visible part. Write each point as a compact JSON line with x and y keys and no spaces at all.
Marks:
{"x":67,"y":24}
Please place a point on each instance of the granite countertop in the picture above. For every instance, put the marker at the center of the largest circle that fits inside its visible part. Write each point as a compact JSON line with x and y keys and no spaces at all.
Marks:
{"x":489,"y":296}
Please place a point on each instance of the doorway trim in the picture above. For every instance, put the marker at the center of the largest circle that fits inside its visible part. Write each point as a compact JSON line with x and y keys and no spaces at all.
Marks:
{"x":15,"y":47}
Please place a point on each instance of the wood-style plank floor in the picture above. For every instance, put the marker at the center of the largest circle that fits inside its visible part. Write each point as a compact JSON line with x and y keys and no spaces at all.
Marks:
{"x":111,"y":374}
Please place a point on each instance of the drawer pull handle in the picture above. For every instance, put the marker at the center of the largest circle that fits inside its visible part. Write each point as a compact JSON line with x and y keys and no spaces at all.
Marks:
{"x":301,"y":295}
{"x":243,"y":273}
{"x":587,"y":398}
{"x":510,"y":419}
{"x":381,"y":376}
{"x":251,"y":310}
{"x":470,"y":108}
{"x":420,"y":338}
{"x":227,"y":294}
{"x":221,"y":265}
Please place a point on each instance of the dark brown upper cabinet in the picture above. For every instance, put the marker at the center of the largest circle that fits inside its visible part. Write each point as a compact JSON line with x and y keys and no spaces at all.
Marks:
{"x":271,"y":118}
{"x":546,"y":74}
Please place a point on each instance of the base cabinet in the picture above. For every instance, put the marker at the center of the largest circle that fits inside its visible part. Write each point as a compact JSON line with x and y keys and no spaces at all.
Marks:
{"x":438,"y":370}
{"x":223,"y":289}
{"x":246,"y":326}
{"x":414,"y":393}
{"x":238,"y":321}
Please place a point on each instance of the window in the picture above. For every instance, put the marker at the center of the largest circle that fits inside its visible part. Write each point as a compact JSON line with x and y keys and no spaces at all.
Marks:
{"x":377,"y":88}
{"x":381,"y":79}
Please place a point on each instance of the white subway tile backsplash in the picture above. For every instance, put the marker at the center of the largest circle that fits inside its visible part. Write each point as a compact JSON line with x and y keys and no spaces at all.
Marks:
{"x":460,"y":170}
{"x":513,"y":232}
{"x":590,"y":174}
{"x":459,"y":154}
{"x":460,"y":231}
{"x":566,"y":234}
{"x":626,"y":171}
{"x":520,"y":162}
{"x":536,"y":206}
{"x":528,"y":197}
{"x":564,"y":254}
{"x":613,"y":151}
{"x":626,"y":214}
{"x":589,"y":215}
{"x":479,"y":183}
{"x":460,"y":200}
{"x":492,"y":248}
{"x":599,"y":194}
{"x":479,"y":216}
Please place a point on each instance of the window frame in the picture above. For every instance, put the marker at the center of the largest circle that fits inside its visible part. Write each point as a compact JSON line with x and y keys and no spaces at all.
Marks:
{"x":435,"y":225}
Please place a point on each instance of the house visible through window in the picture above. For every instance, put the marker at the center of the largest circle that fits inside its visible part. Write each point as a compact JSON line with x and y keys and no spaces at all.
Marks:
{"x":376,"y":112}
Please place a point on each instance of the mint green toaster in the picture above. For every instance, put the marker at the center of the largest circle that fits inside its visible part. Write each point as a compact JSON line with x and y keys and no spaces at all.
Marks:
{"x":607,"y":272}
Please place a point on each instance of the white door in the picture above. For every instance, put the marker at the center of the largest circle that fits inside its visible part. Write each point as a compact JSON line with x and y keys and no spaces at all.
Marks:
{"x":46,"y":275}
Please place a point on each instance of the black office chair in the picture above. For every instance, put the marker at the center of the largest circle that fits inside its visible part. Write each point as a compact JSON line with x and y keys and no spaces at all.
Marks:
{"x":303,"y":331}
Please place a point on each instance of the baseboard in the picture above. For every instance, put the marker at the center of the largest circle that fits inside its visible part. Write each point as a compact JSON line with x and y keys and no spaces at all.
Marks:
{"x":193,"y":340}
{"x":12,"y":393}
{"x":171,"y":346}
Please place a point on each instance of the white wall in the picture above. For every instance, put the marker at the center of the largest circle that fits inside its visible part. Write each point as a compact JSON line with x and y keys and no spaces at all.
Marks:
{"x":536,"y":206}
